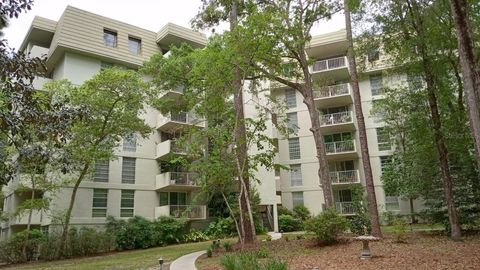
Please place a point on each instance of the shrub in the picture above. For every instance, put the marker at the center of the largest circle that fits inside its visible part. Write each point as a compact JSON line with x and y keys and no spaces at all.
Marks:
{"x":400,"y":227}
{"x":282,"y":210}
{"x":288,"y":223}
{"x":301,"y":212}
{"x":21,"y":247}
{"x":169,"y":230}
{"x":228,"y":246}
{"x":209,"y":252}
{"x":262,"y":252}
{"x":248,"y":260}
{"x":359,"y":222}
{"x":136,"y":233}
{"x":195,"y":236}
{"x":389,"y":218}
{"x":327,"y":226}
{"x":269,"y":238}
{"x":221,"y":228}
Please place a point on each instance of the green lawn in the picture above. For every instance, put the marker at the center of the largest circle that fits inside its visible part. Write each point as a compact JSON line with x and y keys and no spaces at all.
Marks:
{"x":416,"y":227}
{"x":138,"y":259}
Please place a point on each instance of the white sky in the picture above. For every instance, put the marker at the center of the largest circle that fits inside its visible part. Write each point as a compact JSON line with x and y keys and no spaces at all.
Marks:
{"x":148,"y":14}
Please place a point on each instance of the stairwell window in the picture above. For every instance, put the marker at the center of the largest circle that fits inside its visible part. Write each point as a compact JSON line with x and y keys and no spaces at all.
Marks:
{"x":292,"y":122}
{"x":296,"y":175}
{"x":134,"y":45}
{"x":294,"y":148}
{"x":100,"y":173}
{"x":384,"y":162}
{"x":291,"y":98}
{"x":99,"y":204}
{"x":128,"y":170}
{"x":392,"y":203}
{"x":383,"y":139}
{"x":297,"y":199}
{"x":130,"y":143}
{"x":127,"y":203}
{"x":110,"y":38}
{"x":376,"y":85}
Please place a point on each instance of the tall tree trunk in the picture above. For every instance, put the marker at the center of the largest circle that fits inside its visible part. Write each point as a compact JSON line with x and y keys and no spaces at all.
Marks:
{"x":68,"y":214}
{"x":307,"y":93}
{"x":470,"y":72}
{"x":241,"y":145}
{"x":372,"y":198}
{"x":412,"y":211}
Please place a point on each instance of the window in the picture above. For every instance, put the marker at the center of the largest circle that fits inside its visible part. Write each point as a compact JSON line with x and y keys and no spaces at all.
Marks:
{"x":376,"y":84}
{"x":178,"y":198}
{"x":105,"y":65}
{"x":345,"y":195}
{"x":391,"y":203}
{"x":294,"y":148}
{"x":291,"y":98}
{"x":383,"y":139}
{"x":99,"y":204}
{"x":379,"y":113}
{"x":100,"y":173}
{"x":292,"y":122}
{"x":130,"y":143}
{"x":415,"y":82}
{"x":163,"y":198}
{"x":128,"y":170}
{"x":297,"y":198}
{"x":296,"y":175}
{"x":385,"y":161}
{"x":127,"y":203}
{"x":134,"y":45}
{"x":373,"y":54}
{"x":110,"y":38}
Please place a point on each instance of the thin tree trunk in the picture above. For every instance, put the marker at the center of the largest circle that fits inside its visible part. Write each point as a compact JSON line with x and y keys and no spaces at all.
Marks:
{"x":234,"y":219}
{"x":412,"y":211}
{"x":68,"y":214}
{"x":241,"y":143}
{"x":372,"y":198}
{"x":470,"y":72}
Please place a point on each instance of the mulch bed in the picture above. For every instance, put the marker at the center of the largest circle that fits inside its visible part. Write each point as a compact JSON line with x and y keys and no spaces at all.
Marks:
{"x":421,"y":251}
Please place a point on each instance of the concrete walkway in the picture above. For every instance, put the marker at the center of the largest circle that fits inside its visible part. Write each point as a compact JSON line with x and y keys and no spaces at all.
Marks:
{"x":187,"y":262}
{"x":275,"y":235}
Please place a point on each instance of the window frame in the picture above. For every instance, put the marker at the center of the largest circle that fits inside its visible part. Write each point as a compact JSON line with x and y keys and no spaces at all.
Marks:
{"x":101,"y":171}
{"x":292,"y":153}
{"x":139,"y":43}
{"x":108,"y":43}
{"x":101,"y":198}
{"x":128,"y":177}
{"x":383,"y":139}
{"x":292,"y":122}
{"x":129,"y":143}
{"x":126,"y":196}
{"x":296,"y":178}
{"x":291,"y":98}
{"x":376,"y":85}
{"x":295,"y":201}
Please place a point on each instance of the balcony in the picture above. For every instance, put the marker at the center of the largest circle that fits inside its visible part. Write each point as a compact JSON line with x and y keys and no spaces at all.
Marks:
{"x":345,"y":208}
{"x":174,"y":121}
{"x":333,"y":95}
{"x":173,"y":94}
{"x":190,"y":212}
{"x":345,"y":177}
{"x":337,"y":122}
{"x":168,"y":147}
{"x":332,"y":68}
{"x":37,"y":217}
{"x":341,"y":150}
{"x":176,"y":181}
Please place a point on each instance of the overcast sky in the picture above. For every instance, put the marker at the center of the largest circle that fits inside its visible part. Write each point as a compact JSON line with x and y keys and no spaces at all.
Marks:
{"x":148,"y":14}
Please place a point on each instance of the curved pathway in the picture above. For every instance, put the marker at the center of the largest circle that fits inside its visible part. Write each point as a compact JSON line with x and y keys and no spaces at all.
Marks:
{"x":187,"y":262}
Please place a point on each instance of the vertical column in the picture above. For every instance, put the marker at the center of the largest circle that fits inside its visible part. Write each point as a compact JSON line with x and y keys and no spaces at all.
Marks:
{"x":275,"y":218}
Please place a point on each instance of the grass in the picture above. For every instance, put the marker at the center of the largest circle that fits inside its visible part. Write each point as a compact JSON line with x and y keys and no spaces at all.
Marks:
{"x":138,"y":259}
{"x":416,"y":228}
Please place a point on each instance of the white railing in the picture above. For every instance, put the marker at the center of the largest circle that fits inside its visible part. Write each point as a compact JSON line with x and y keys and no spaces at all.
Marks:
{"x":345,"y":208}
{"x":332,"y":91}
{"x":328,"y":64}
{"x":339,"y":147}
{"x":184,"y":178}
{"x":182,"y":211}
{"x":336,"y":118}
{"x":345,"y":177}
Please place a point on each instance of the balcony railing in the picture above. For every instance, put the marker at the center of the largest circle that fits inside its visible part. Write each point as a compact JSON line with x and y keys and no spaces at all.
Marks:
{"x":339,"y":147}
{"x":184,"y":178}
{"x":180,"y":117}
{"x":345,"y":208}
{"x":328,"y":64}
{"x":182,"y":211}
{"x":332,"y":91}
{"x":336,"y":118}
{"x":345,"y":177}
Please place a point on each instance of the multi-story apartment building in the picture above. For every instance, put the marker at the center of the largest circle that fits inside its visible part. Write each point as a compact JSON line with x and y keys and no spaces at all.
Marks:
{"x":334,"y":99}
{"x":138,"y":182}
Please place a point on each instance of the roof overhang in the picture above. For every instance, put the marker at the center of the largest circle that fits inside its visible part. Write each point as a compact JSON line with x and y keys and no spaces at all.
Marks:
{"x":40,"y":33}
{"x":328,"y":45}
{"x":175,"y":34}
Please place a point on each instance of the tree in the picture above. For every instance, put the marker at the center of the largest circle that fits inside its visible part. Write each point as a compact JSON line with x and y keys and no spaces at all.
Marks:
{"x":423,"y":48}
{"x":279,"y":31}
{"x":113,"y":101}
{"x":372,"y":199}
{"x":470,"y":67}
